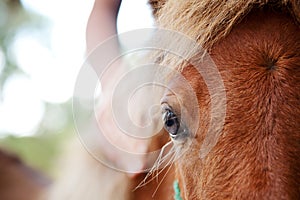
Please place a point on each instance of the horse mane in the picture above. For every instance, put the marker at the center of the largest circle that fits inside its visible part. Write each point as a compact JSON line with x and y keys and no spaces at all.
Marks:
{"x":209,"y":21}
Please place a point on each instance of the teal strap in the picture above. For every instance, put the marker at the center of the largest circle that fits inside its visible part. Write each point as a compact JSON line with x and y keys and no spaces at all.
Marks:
{"x":176,"y":190}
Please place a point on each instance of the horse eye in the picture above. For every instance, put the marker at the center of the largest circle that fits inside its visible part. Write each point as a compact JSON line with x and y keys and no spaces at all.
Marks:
{"x":171,"y":123}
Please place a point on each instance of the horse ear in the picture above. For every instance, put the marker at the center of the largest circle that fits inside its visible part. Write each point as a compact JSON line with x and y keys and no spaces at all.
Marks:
{"x":296,"y":9}
{"x":156,"y":5}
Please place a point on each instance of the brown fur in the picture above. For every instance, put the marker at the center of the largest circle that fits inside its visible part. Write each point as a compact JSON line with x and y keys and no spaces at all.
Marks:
{"x":18,"y":181}
{"x":256,"y":47}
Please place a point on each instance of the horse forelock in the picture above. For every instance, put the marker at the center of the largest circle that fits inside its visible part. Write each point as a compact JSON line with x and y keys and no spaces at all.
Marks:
{"x":209,"y":21}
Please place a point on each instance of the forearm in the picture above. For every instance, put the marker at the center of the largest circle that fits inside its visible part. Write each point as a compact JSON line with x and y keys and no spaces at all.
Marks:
{"x":102,"y":22}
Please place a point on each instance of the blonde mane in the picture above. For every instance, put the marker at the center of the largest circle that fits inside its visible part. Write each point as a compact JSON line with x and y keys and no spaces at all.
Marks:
{"x":209,"y":21}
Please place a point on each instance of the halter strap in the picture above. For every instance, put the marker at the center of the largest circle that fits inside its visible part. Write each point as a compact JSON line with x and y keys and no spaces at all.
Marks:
{"x":176,"y":190}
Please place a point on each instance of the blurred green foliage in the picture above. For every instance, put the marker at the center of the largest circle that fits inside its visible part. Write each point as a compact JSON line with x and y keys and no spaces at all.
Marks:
{"x":42,"y":150}
{"x":14,"y":18}
{"x":39,"y":152}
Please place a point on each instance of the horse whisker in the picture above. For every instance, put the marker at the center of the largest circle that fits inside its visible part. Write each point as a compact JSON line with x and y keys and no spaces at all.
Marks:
{"x":143,"y":183}
{"x":163,"y":178}
{"x":159,"y":161}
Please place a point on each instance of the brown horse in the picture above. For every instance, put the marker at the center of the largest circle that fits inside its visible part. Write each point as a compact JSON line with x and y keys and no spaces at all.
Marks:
{"x":18,"y":181}
{"x":255,"y":45}
{"x":256,"y":48}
